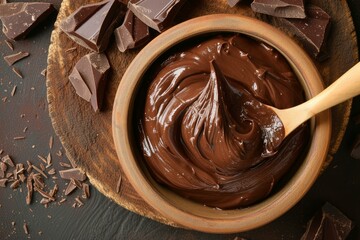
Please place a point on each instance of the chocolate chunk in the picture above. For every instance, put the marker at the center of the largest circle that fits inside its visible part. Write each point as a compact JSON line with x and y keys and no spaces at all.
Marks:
{"x":355,"y":152}
{"x":280,"y":8}
{"x":329,"y":223}
{"x":92,"y":25}
{"x":156,"y":14}
{"x":89,"y":78}
{"x":3,"y":166}
{"x":74,"y":173}
{"x":19,"y":19}
{"x":311,"y":31}
{"x":13,"y":58}
{"x":232,"y":3}
{"x":132,"y":33}
{"x":70,"y":188}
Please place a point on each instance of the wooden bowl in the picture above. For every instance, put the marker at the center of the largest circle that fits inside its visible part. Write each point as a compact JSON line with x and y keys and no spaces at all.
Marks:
{"x":185,"y":212}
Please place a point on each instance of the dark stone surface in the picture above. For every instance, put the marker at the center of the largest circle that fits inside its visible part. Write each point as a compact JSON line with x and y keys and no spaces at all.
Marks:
{"x":100,"y":218}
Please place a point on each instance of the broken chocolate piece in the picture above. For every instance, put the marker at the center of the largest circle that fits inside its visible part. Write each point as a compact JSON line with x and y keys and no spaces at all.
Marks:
{"x":9,"y":44}
{"x":19,"y":19}
{"x":92,"y":25}
{"x":232,"y":3}
{"x":329,"y":223}
{"x":70,"y":188}
{"x":13,"y":58}
{"x":132,"y":33}
{"x":156,"y":14}
{"x":311,"y":31}
{"x":74,"y":173}
{"x":3,"y":166}
{"x":355,"y":152}
{"x":280,"y":8}
{"x":6,"y":159}
{"x":15,"y":184}
{"x":89,"y":78}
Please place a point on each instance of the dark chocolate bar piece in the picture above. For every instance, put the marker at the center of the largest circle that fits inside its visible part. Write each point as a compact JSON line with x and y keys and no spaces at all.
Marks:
{"x":19,"y":19}
{"x":89,"y":78}
{"x":328,"y":224}
{"x":232,"y":3}
{"x":156,"y":14}
{"x":311,"y":31}
{"x":13,"y":58}
{"x":92,"y":25}
{"x":132,"y":33}
{"x":73,"y":173}
{"x":280,"y":8}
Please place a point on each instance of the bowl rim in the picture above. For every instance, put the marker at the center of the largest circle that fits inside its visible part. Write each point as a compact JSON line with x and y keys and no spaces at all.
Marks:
{"x":269,"y":208}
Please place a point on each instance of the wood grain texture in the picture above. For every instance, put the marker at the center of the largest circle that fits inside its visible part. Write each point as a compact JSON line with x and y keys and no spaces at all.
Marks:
{"x":87,"y":136}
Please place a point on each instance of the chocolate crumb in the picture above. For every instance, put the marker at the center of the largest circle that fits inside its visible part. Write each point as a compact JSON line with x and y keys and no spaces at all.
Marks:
{"x":52,"y":171}
{"x":44,"y":201}
{"x":17,"y":72}
{"x":13,"y":58}
{"x":59,"y":153}
{"x":118,"y":184}
{"x":42,"y":167}
{"x":13,"y":224}
{"x":26,"y":228}
{"x":1,"y":151}
{"x":40,"y":233}
{"x":9,"y":44}
{"x":74,"y":205}
{"x":49,"y":216}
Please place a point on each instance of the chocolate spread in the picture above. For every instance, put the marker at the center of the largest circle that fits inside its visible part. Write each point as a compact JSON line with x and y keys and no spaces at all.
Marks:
{"x":205,"y":132}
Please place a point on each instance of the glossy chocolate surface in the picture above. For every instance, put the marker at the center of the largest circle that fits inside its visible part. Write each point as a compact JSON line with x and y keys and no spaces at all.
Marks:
{"x":205,"y":130}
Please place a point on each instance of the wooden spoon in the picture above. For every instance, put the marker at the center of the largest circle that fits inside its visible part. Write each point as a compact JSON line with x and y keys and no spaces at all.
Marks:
{"x":346,"y":87}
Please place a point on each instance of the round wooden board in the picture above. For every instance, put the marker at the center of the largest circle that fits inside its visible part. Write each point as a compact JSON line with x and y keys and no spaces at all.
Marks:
{"x":87,"y":136}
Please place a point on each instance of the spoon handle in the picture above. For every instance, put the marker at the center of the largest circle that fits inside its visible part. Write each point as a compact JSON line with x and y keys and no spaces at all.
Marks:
{"x":346,"y":87}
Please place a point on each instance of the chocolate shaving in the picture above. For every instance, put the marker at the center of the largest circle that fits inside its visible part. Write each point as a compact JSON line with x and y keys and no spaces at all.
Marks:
{"x":70,"y":49}
{"x":19,"y":138}
{"x":76,"y":183}
{"x":13,"y":91}
{"x":80,"y":203}
{"x":13,"y":58}
{"x":15,"y":184}
{"x":74,"y":173}
{"x":17,"y":72}
{"x":44,"y":194}
{"x":86,"y":190}
{"x":51,"y":142}
{"x":1,"y":151}
{"x":9,"y":175}
{"x":38,"y":182}
{"x":54,"y":190}
{"x":6,"y":159}
{"x":59,"y":153}
{"x":39,"y":171}
{"x":3,"y":166}
{"x":62,"y":200}
{"x":9,"y":44}
{"x":26,"y":228}
{"x":25,"y":129}
{"x":42,"y":167}
{"x":52,"y":171}
{"x":42,"y":158}
{"x":44,"y":201}
{"x":65,"y":165}
{"x":3,"y":182}
{"x":22,"y":177}
{"x":118,"y":184}
{"x":48,"y":159}
{"x":43,"y":72}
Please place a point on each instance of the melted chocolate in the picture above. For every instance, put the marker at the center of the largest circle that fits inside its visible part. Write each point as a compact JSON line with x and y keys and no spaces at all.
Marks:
{"x":205,"y":132}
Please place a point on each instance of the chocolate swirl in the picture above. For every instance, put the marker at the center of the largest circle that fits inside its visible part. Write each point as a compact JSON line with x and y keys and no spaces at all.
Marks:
{"x":203,"y":132}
